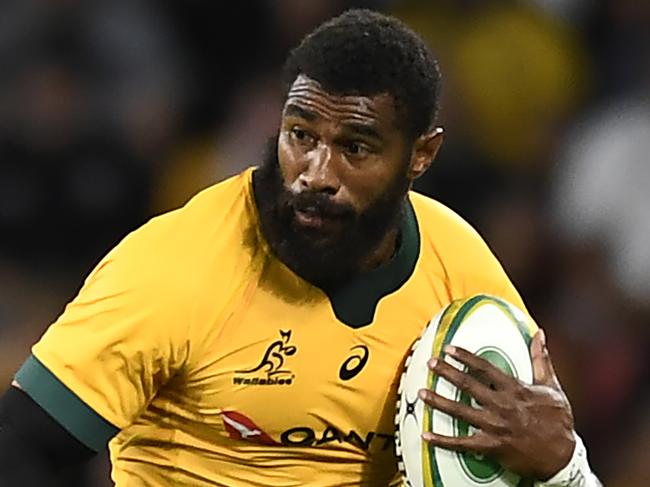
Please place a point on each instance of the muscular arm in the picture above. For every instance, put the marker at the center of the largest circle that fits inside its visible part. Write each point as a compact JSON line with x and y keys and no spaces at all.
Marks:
{"x":33,"y":446}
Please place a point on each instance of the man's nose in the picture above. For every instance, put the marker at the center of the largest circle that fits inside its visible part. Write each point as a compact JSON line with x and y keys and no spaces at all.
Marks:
{"x":320,"y":173}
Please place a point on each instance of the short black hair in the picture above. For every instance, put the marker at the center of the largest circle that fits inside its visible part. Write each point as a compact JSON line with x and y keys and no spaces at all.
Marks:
{"x":367,"y":53}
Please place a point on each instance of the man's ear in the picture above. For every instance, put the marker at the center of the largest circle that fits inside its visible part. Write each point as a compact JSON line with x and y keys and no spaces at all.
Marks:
{"x":425,"y":148}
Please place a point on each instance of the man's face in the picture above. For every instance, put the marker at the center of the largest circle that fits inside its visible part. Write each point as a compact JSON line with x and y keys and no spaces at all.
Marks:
{"x":336,"y":184}
{"x":346,"y":149}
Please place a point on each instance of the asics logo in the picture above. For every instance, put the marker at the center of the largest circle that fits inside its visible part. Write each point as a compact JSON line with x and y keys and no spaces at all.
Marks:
{"x":354,"y":363}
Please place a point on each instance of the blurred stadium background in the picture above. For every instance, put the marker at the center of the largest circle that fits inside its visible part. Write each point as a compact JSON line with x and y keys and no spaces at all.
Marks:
{"x":112,"y":111}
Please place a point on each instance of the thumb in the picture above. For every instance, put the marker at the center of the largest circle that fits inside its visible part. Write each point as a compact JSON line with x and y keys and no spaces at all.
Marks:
{"x":543,"y":371}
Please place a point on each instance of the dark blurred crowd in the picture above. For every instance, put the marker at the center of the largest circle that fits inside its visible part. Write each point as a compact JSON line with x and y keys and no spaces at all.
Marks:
{"x":112,"y":111}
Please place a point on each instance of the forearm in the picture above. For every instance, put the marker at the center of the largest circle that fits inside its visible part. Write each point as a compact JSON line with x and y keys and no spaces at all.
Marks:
{"x":22,"y":464}
{"x":33,"y":446}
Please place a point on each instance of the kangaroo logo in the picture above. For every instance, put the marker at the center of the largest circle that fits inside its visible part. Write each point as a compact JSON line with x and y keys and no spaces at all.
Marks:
{"x":271,"y":368}
{"x":273,"y":359}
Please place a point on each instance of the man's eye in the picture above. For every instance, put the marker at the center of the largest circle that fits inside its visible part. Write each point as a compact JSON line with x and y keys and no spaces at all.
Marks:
{"x":301,"y":135}
{"x":357,"y":149}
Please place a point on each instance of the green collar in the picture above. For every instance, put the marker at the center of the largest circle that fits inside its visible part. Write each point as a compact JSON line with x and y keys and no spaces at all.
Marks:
{"x":355,"y":302}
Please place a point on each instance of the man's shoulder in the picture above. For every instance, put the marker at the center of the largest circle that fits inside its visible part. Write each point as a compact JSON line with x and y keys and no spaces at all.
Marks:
{"x":225,"y":200}
{"x":434,"y":216}
{"x":447,"y":237}
{"x":207,"y":215}
{"x":214,"y":226}
{"x":450,"y":245}
{"x":238,"y":185}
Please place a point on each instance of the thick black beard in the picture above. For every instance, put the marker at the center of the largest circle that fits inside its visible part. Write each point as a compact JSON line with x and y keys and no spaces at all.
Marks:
{"x":325,"y":260}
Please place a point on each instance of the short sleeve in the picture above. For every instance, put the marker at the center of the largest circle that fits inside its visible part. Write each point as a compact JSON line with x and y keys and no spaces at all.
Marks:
{"x":112,"y":348}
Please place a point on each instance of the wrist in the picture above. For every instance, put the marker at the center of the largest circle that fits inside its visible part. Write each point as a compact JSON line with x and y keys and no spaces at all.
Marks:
{"x":576,"y":472}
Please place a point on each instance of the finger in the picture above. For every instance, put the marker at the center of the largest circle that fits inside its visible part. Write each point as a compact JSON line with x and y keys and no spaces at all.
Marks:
{"x":464,"y":381}
{"x":476,"y":443}
{"x":540,"y":374}
{"x":491,"y":373}
{"x":543,"y":370}
{"x":476,"y":417}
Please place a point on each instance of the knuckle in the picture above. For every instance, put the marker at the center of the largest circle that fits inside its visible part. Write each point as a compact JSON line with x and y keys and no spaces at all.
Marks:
{"x":462,"y":381}
{"x":523,"y":392}
{"x":429,"y":397}
{"x":479,"y":365}
{"x":496,"y":423}
{"x":493,"y":445}
{"x":487,"y":442}
{"x":502,"y":429}
{"x":452,"y":407}
{"x":451,"y":373}
{"x":505,"y":404}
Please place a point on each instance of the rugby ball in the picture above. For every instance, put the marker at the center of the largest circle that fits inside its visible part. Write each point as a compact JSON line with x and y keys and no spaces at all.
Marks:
{"x":490,"y":328}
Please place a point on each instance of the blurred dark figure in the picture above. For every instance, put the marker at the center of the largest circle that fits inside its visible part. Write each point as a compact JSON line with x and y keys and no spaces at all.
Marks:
{"x":85,"y":96}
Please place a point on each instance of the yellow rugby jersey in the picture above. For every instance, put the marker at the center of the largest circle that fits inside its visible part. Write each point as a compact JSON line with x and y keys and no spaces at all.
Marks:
{"x":210,"y":363}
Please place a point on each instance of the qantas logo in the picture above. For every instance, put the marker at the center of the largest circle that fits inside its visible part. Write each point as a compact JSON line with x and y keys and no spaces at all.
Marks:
{"x":305,"y":436}
{"x":239,"y":427}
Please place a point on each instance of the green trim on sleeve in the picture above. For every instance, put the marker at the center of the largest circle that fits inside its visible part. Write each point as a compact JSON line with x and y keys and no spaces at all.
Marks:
{"x":64,"y":406}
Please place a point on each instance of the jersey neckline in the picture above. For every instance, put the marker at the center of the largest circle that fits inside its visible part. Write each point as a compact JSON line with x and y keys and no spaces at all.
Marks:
{"x":354,"y":303}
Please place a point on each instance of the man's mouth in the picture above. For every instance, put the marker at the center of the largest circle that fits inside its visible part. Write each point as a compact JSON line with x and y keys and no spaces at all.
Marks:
{"x":309,"y":217}
{"x":312,"y":218}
